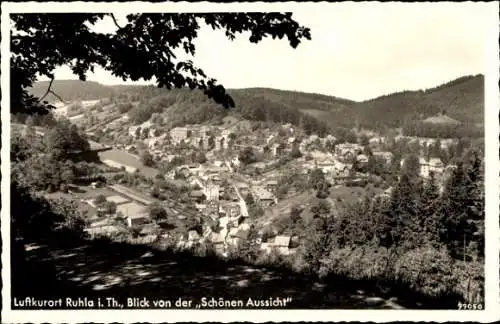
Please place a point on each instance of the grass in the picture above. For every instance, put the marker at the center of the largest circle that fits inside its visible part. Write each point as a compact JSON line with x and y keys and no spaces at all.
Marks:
{"x":127,"y":159}
{"x":316,"y":112}
{"x":338,"y":195}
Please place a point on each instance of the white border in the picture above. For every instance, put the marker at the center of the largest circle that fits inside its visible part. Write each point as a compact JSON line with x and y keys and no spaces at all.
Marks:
{"x":130,"y":316}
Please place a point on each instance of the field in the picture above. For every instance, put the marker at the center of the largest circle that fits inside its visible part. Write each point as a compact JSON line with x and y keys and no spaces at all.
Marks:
{"x":349,"y":194}
{"x":79,"y":193}
{"x":338,"y":195}
{"x":127,"y":159}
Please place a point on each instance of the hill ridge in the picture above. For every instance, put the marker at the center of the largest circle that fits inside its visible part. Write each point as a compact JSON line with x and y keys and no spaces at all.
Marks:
{"x":462,"y":98}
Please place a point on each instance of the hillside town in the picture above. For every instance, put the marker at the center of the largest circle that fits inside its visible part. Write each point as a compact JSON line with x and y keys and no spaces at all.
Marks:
{"x":232,"y":176}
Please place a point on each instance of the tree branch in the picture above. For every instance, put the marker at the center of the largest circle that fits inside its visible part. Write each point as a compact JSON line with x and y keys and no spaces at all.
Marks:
{"x":48,"y":90}
{"x":114,"y":20}
{"x":57,"y":96}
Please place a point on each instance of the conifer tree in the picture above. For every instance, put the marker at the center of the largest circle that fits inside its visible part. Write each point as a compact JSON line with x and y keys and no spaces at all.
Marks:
{"x":455,"y":222}
{"x":429,"y":209}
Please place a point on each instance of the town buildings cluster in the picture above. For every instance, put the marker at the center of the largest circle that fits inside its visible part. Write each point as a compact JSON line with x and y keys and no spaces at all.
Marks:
{"x":221,"y":184}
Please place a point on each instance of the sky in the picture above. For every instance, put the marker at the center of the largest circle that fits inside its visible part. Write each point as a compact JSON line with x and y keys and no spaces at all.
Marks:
{"x":357,"y":51}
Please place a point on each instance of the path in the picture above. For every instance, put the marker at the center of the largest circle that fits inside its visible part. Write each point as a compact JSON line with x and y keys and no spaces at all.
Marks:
{"x":124,"y":271}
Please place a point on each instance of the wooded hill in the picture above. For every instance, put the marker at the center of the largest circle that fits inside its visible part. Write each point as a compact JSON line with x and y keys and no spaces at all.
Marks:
{"x":462,"y":99}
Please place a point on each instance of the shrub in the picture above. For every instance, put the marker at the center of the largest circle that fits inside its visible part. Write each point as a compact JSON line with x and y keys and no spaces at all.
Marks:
{"x":427,"y":270}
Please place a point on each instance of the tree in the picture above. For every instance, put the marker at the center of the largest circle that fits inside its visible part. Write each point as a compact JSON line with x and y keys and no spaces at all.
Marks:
{"x":247,"y":156}
{"x":429,"y":209}
{"x":109,"y":207}
{"x":68,"y":176}
{"x":376,"y":165}
{"x":211,"y":142}
{"x":364,"y":140}
{"x":99,"y":200}
{"x":155,"y":191}
{"x":147,"y":159}
{"x":200,"y":158}
{"x":411,"y":166}
{"x":157,"y":212}
{"x":295,"y":213}
{"x":454,"y":225}
{"x":124,"y":107}
{"x":295,"y":153}
{"x":63,"y":139}
{"x":249,"y":200}
{"x":39,"y":44}
{"x":317,"y":179}
{"x":249,"y":249}
{"x":321,"y":208}
{"x":232,"y":137}
{"x":405,"y":212}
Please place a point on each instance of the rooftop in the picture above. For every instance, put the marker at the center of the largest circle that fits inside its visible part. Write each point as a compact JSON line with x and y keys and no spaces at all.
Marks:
{"x":282,"y":240}
{"x":262,"y":193}
{"x":132,"y":210}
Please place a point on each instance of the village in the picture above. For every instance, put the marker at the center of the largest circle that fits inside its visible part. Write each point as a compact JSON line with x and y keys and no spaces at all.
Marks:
{"x":221,"y":166}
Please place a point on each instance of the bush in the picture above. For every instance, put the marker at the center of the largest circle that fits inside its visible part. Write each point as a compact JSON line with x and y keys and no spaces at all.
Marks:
{"x":355,"y":262}
{"x":470,"y":277}
{"x":427,"y":270}
{"x":99,"y":200}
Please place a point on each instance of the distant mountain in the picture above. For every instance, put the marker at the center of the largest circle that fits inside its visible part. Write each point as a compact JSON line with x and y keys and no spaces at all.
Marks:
{"x":72,"y":90}
{"x":462,"y":99}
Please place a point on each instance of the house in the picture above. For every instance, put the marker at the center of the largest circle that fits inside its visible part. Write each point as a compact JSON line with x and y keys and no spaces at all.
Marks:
{"x":103,"y":230}
{"x":235,"y":161}
{"x":266,"y":247}
{"x":184,"y":171}
{"x":218,"y":240}
{"x":276,"y":149}
{"x":434,"y":165}
{"x":330,"y":138}
{"x":193,"y":236}
{"x":197,"y":196}
{"x":137,"y":220}
{"x":218,"y":163}
{"x":212,"y":192}
{"x":178,"y":134}
{"x":446,"y":143}
{"x":243,"y":188}
{"x":271,"y":185}
{"x":236,"y":234}
{"x":132,"y":131}
{"x":263,"y":196}
{"x":96,"y":184}
{"x":131,"y":208}
{"x":282,"y":243}
{"x":216,"y":179}
{"x":385,"y":155}
{"x":313,"y":138}
{"x":231,"y":209}
{"x":223,"y":222}
{"x":347,"y":151}
{"x":362,"y":159}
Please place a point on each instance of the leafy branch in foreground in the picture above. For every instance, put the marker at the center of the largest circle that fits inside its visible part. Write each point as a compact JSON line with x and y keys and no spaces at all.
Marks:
{"x":142,"y":49}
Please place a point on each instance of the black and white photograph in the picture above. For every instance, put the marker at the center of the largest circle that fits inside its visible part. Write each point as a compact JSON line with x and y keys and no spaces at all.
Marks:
{"x":284,"y":157}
